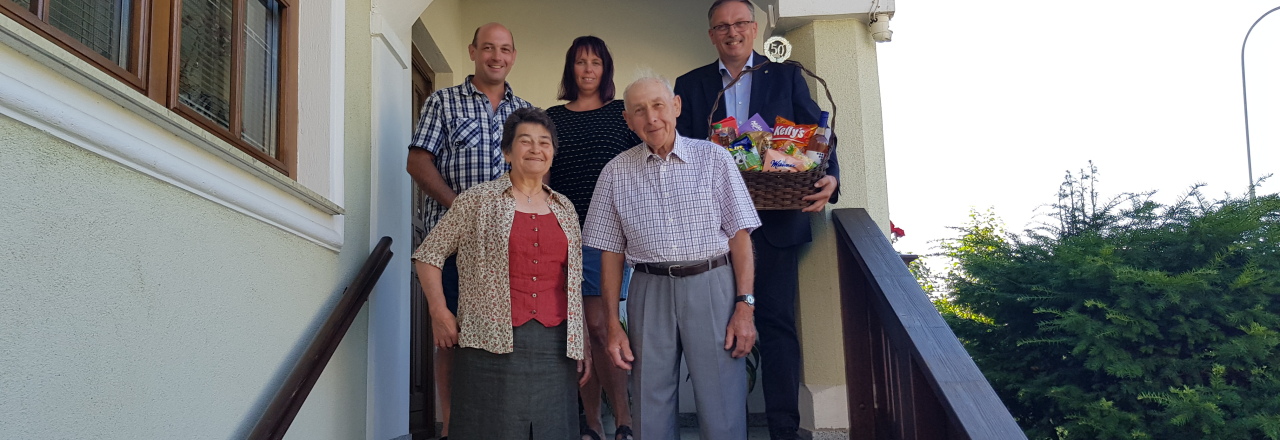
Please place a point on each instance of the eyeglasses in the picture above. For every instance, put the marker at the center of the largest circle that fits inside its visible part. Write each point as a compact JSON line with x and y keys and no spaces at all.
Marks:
{"x":724,"y":28}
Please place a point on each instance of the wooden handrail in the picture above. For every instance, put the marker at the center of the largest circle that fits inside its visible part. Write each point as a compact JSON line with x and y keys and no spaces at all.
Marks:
{"x":288,"y":400}
{"x":907,"y":375}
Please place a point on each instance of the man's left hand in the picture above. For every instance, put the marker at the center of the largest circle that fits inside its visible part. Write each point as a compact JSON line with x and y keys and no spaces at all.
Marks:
{"x":826,"y":186}
{"x":740,"y":336}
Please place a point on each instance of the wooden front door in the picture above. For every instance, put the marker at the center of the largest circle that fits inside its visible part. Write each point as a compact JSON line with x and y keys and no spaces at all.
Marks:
{"x":422,"y":389}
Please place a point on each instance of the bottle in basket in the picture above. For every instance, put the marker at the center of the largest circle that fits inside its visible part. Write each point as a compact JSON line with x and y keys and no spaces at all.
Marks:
{"x":820,"y":144}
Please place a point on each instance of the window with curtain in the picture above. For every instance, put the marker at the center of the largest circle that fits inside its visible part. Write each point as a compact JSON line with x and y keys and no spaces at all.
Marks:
{"x":231,"y":59}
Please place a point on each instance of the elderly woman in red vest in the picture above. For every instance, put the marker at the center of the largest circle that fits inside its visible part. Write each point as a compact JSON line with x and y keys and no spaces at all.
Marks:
{"x":519,"y":324}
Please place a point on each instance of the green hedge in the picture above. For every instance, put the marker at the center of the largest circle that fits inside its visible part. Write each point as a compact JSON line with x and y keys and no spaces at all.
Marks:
{"x":1127,"y":318}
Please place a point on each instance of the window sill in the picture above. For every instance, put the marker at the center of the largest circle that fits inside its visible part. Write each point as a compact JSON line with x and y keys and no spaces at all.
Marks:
{"x":123,"y":125}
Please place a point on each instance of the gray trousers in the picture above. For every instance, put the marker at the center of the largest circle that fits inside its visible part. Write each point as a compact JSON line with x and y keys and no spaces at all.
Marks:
{"x":673,"y":316}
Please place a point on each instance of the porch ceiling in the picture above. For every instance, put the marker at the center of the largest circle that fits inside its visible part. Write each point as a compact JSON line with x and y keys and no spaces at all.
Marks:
{"x":785,"y":15}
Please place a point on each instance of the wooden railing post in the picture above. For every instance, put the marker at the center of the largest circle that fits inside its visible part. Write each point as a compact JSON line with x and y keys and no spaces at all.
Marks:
{"x":858,"y":357}
{"x":907,"y":375}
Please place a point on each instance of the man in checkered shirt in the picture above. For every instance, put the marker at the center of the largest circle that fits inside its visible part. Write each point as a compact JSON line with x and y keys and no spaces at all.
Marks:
{"x":678,"y":210}
{"x":457,"y":145}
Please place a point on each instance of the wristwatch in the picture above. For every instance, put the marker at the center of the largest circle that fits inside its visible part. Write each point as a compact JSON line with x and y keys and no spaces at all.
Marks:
{"x":748,"y":298}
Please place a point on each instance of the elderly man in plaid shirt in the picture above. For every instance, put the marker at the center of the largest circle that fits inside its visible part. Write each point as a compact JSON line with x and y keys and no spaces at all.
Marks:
{"x":678,"y":210}
{"x":457,"y":145}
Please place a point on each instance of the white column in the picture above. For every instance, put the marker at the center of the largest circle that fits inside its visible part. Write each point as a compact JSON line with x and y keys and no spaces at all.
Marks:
{"x":843,"y":54}
{"x":390,"y":209}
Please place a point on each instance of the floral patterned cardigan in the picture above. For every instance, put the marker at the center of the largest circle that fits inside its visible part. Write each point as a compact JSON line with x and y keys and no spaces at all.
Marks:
{"x":478,"y":228}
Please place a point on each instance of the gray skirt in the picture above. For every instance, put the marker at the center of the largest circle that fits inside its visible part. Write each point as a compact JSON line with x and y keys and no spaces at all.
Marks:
{"x":530,"y":393}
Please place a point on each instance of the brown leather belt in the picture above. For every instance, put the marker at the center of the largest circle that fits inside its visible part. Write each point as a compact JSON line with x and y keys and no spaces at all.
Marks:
{"x":680,"y":271}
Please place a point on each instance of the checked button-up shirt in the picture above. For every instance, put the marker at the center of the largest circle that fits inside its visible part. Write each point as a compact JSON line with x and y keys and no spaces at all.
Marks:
{"x":682,"y":207}
{"x":458,"y":125}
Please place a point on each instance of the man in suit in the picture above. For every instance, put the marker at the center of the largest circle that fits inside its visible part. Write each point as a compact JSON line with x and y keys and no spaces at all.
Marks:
{"x":774,"y":90}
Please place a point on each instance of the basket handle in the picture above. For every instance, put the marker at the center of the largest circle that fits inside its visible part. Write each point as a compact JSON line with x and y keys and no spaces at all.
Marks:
{"x":831,"y":122}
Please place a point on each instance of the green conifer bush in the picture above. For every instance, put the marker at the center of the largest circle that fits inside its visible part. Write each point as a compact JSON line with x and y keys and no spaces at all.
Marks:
{"x":1126,"y":319}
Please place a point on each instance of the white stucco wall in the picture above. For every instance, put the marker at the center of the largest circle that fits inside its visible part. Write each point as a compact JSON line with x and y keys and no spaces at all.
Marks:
{"x":134,"y":309}
{"x":197,"y":294}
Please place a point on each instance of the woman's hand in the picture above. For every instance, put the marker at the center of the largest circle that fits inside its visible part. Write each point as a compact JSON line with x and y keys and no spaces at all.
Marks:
{"x":444,"y":327}
{"x":584,"y":369}
{"x":584,"y":365}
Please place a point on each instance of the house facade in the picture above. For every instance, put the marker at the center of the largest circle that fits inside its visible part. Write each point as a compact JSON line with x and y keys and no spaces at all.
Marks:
{"x":189,"y":185}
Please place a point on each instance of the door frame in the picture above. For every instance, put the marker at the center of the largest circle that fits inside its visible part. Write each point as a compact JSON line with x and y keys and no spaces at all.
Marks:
{"x":422,"y":386}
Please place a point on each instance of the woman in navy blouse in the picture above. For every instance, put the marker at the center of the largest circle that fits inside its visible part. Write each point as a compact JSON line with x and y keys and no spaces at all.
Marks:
{"x":592,"y":132}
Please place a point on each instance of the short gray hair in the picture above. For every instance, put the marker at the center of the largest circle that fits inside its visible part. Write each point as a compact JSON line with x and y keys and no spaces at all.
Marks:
{"x":718,"y":3}
{"x":646,"y":76}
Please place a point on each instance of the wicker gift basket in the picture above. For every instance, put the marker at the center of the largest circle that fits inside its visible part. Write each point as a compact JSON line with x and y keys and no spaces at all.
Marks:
{"x":773,"y":190}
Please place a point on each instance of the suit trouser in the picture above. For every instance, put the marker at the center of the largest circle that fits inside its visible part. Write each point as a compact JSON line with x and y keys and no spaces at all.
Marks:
{"x":777,"y":275}
{"x":670,"y":316}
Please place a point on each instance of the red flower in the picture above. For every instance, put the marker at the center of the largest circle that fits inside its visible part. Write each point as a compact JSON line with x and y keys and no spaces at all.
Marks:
{"x":896,"y":231}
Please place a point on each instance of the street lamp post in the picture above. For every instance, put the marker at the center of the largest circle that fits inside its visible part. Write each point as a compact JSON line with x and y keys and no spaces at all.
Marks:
{"x":1244,"y":88}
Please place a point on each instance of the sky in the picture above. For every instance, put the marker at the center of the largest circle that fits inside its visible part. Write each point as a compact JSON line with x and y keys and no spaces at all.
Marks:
{"x":987,"y":105}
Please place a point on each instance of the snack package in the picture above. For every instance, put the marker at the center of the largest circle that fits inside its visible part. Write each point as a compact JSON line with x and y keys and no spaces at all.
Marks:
{"x":806,"y":163}
{"x":729,"y":122}
{"x":745,"y":155}
{"x":791,"y":137}
{"x":756,"y":123}
{"x":725,"y":131}
{"x":803,"y":161}
{"x":762,"y":140}
{"x":790,"y":148}
{"x":775,"y":160}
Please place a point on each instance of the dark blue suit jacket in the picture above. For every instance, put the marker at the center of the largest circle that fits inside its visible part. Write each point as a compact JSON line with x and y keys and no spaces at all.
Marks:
{"x":776,"y":90}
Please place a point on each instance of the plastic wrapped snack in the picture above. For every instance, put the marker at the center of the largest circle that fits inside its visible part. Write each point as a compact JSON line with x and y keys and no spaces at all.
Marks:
{"x":762,"y":140}
{"x":806,"y":163}
{"x":745,"y":154}
{"x":791,"y":137}
{"x":775,"y":160}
